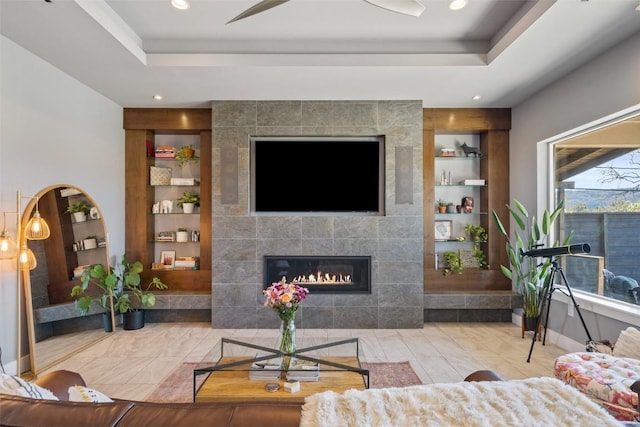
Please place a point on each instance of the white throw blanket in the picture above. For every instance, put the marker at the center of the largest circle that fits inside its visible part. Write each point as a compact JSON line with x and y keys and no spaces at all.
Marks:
{"x":529,"y":402}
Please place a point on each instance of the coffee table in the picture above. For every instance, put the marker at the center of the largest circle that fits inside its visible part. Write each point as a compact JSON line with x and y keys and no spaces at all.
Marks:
{"x":228,"y":380}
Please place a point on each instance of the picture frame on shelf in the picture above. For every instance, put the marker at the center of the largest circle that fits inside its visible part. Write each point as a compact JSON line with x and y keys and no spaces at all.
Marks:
{"x":443,"y":230}
{"x":168,"y":259}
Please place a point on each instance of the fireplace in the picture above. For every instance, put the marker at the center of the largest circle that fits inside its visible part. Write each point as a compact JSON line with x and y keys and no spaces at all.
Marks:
{"x":321,"y":274}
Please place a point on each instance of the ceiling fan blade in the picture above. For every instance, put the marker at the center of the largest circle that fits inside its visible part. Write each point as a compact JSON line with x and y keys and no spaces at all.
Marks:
{"x":406,"y":7}
{"x":257,"y":8}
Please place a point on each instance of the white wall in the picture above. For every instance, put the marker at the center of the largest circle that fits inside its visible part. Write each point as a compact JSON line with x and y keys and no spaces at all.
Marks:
{"x":606,"y":86}
{"x":53,"y":130}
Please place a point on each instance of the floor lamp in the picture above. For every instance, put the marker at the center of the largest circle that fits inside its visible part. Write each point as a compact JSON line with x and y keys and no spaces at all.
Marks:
{"x":36,"y":228}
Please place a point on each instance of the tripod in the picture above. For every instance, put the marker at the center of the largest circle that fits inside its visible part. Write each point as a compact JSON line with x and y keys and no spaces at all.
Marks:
{"x":546,"y":302}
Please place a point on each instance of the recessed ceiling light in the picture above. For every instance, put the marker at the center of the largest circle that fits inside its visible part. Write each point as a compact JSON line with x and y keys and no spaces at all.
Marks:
{"x":157,"y":97}
{"x":180,"y":4}
{"x":458,"y":4}
{"x":476,"y":97}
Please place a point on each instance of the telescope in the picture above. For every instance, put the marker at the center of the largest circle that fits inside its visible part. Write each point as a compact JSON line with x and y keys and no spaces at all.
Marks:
{"x":580,"y":248}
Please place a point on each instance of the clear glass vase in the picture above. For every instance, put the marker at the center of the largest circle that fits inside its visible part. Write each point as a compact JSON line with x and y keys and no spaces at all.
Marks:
{"x":287,"y":341}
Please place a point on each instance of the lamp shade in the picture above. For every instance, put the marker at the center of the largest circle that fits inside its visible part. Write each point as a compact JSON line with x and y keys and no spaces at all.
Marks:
{"x":27,"y":259}
{"x":8,"y":246}
{"x":37,"y":228}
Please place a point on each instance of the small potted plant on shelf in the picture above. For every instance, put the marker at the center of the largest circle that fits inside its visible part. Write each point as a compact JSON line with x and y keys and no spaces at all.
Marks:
{"x":186,"y":154}
{"x":182,"y":235}
{"x":476,"y":232}
{"x":442,"y":206}
{"x":122,"y":286}
{"x":79,"y":210}
{"x":188,"y":202}
{"x":454,"y":263}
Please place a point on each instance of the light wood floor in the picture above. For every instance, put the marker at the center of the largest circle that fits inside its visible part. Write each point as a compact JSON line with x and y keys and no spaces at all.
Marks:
{"x":130,"y":364}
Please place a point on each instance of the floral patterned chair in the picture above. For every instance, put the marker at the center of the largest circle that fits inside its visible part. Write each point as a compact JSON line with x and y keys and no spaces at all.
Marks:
{"x":612,"y":380}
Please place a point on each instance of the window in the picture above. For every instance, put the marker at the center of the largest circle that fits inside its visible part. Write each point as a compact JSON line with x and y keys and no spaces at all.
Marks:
{"x":597,"y":174}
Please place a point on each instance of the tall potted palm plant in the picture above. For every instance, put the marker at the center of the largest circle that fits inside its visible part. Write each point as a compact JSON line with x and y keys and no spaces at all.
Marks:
{"x":530,"y":276}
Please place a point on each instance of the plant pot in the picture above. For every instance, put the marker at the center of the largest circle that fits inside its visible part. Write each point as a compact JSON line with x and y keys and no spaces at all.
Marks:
{"x":188,"y":153}
{"x":188,"y":207}
{"x":106,"y":322}
{"x":182,"y":236}
{"x":530,"y":322}
{"x":451,"y":208}
{"x":79,"y":216}
{"x":132,"y":320}
{"x":442,"y":209}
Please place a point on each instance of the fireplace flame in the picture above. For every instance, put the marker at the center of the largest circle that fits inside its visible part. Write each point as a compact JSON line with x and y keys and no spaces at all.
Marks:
{"x":323,"y":278}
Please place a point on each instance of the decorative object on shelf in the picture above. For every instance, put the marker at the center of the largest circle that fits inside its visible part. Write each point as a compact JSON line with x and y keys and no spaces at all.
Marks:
{"x":473,"y":182}
{"x":166,"y":206}
{"x":186,"y":154}
{"x":442,"y":206}
{"x":79,"y":210}
{"x":184,"y":181}
{"x":168,"y":258}
{"x":159,"y":176}
{"x":188,"y":201}
{"x":447,"y":152}
{"x":182,"y":235}
{"x":467,"y":150}
{"x":285,"y":299}
{"x":531,"y":277}
{"x":467,"y":204}
{"x":442,"y":230}
{"x":453,"y":263}
{"x":94,"y":213}
{"x":443,"y":178}
{"x":467,"y":258}
{"x":451,"y":208}
{"x":165,"y":151}
{"x":187,"y":263}
{"x":165,"y":236}
{"x":90,"y":242}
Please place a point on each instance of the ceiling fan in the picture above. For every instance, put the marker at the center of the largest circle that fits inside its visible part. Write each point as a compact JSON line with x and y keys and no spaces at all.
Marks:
{"x":406,"y":7}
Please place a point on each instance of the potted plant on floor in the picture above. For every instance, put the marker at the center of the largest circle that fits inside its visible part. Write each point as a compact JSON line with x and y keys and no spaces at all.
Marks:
{"x":97,"y":287}
{"x":188,"y":201}
{"x":531,"y":278}
{"x":122,"y":286}
{"x":134,"y":296}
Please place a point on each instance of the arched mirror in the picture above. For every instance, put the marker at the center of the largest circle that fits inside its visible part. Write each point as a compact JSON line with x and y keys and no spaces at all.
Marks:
{"x":56,"y":327}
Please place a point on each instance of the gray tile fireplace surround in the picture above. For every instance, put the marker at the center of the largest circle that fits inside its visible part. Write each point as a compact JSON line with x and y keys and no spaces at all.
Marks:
{"x":394,"y":241}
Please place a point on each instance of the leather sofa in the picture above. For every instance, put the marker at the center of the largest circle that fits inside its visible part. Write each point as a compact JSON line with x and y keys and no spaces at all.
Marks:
{"x":20,"y":411}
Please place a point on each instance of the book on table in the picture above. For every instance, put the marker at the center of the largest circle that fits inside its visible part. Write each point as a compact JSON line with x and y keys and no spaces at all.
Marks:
{"x":303,"y":370}
{"x":267,"y":369}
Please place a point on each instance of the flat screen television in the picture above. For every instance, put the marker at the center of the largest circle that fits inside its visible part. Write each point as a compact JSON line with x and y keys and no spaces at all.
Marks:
{"x":317,"y":175}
